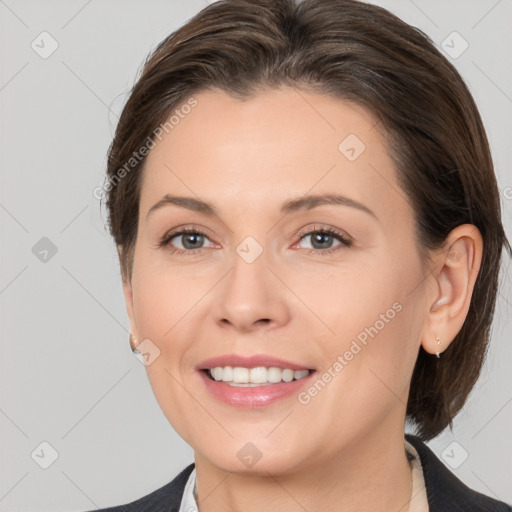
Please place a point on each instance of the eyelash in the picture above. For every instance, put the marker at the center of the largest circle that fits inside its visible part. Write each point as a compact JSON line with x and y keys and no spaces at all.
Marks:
{"x":165,"y":241}
{"x":345,"y":242}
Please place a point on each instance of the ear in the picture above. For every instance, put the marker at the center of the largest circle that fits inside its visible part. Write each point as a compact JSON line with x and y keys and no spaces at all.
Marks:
{"x":457,"y":265}
{"x":128,"y":297}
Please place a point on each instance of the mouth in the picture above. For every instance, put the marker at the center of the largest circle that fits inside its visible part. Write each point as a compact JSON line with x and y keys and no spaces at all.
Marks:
{"x":253,"y":382}
{"x":253,"y":387}
{"x":240,"y":376}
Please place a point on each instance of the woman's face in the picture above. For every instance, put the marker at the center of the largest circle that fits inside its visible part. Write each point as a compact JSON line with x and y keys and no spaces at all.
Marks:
{"x":260,"y":278}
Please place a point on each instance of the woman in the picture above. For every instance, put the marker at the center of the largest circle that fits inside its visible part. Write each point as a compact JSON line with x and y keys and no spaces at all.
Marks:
{"x":309,"y":233}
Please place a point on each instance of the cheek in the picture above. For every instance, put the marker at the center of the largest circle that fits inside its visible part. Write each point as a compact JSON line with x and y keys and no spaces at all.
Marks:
{"x":367,"y":370}
{"x":351,"y":301}
{"x":174,"y":402}
{"x":376,"y":324}
{"x":164,"y":298}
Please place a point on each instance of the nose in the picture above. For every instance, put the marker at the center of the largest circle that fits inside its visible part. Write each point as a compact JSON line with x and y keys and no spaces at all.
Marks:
{"x":252,"y":297}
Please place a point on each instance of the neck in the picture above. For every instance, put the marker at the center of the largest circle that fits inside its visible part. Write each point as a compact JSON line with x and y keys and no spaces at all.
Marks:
{"x":372,"y":473}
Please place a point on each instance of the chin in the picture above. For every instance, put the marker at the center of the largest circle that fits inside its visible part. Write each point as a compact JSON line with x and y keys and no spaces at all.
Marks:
{"x":252,"y":458}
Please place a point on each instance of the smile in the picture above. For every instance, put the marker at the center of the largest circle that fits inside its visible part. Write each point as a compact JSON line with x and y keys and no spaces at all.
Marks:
{"x":251,"y":377}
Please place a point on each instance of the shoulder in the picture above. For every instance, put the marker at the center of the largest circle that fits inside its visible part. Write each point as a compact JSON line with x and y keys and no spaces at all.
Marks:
{"x":445,"y":492}
{"x":164,"y":499}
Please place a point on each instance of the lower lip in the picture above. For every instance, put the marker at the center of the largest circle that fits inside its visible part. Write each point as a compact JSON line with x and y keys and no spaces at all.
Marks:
{"x":252,"y":397}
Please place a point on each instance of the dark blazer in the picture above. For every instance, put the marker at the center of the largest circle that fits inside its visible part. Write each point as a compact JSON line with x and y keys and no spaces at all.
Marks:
{"x":445,"y":492}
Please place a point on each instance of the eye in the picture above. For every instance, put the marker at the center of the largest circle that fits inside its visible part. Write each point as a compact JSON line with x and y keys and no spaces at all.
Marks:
{"x":322,"y":239}
{"x":187,"y":240}
{"x":191,"y":240}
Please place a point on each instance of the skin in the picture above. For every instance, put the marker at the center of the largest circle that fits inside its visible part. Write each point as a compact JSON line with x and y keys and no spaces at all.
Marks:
{"x":344,"y":450}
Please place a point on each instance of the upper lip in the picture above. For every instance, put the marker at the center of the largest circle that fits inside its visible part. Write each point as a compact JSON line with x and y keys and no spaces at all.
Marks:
{"x":249,"y":362}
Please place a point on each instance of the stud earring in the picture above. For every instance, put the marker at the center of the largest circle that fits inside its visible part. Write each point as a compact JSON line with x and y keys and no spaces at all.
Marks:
{"x":438,"y":354}
{"x":132,"y":343}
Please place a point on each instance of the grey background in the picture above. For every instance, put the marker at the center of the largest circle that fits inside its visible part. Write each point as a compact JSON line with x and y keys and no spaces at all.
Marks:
{"x":68,"y":376}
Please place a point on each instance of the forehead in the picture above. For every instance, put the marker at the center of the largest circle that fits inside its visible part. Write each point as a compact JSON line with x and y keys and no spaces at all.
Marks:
{"x":276,"y":144}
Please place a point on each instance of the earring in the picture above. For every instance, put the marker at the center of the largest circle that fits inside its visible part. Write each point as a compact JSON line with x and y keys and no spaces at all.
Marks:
{"x":132,"y":343}
{"x":438,"y":354}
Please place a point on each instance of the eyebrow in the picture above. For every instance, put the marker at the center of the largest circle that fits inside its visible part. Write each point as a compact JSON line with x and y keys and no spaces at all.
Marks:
{"x":301,"y":204}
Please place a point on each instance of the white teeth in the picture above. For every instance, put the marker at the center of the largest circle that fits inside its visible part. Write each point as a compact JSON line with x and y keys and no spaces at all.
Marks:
{"x":217,"y":373}
{"x":274,"y":375}
{"x":239,"y":375}
{"x":298,"y":374}
{"x":287,"y":375}
{"x":260,"y":375}
{"x":227,"y":374}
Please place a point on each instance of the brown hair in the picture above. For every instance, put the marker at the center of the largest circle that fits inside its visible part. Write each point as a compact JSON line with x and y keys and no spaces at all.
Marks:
{"x":362,"y":53}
